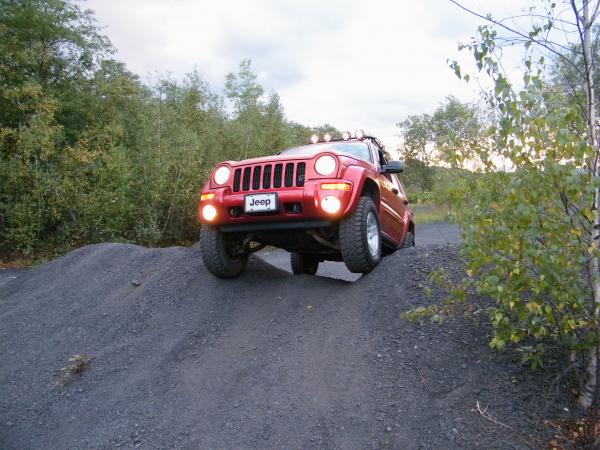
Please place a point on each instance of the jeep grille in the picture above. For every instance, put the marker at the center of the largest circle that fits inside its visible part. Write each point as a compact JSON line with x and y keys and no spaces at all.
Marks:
{"x":269,"y":176}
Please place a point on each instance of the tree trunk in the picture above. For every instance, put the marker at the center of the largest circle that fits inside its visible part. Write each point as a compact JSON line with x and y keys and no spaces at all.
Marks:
{"x":589,"y":394}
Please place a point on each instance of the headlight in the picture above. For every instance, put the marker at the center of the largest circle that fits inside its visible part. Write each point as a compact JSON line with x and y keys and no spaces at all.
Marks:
{"x":325,"y":165}
{"x":222,"y":175}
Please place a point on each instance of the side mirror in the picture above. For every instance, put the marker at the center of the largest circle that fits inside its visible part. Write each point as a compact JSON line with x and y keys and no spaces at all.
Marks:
{"x":393,"y":167}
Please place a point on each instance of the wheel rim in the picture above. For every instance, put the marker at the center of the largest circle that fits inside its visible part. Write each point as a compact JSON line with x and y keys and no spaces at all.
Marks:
{"x":373,"y":234}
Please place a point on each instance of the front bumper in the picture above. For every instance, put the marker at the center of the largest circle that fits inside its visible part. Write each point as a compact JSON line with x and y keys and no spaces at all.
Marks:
{"x":228,"y":204}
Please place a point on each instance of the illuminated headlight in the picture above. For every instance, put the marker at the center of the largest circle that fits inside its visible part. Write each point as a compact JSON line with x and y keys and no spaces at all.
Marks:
{"x":209,"y":212}
{"x":327,"y":137}
{"x":359,"y":134}
{"x":222,"y":175}
{"x":325,"y":165}
{"x":346,"y":135}
{"x":330,"y":204}
{"x":314,"y":139}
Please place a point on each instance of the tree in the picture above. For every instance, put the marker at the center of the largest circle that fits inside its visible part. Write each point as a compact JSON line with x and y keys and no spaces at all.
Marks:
{"x":425,"y":137}
{"x":418,"y":148}
{"x":456,"y":126}
{"x":89,"y":153}
{"x":534,"y":247}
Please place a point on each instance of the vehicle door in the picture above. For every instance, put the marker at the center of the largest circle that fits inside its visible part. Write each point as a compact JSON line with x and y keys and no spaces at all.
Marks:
{"x":391,"y":214}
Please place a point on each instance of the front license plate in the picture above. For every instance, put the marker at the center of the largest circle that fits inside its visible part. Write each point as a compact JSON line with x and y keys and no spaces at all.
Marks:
{"x":254,"y":203}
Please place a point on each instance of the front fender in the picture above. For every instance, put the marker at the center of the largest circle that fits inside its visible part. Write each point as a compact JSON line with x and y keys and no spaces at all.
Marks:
{"x":357,"y":175}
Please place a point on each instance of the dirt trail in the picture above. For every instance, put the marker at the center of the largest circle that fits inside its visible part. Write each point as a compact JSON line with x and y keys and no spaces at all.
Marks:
{"x":268,"y":360}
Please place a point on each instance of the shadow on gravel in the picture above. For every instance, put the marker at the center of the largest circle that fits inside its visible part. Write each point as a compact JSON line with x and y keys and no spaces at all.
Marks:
{"x":267,"y":360}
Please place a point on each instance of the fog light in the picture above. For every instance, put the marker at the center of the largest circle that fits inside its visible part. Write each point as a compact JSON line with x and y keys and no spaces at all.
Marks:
{"x":330,"y":204}
{"x":209,"y":212}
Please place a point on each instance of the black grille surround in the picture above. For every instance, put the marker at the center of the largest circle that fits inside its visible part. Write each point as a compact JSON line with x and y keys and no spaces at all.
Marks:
{"x":255,"y":177}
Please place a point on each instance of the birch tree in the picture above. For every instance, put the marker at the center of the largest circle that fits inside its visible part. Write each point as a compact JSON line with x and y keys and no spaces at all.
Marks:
{"x":542,"y":233}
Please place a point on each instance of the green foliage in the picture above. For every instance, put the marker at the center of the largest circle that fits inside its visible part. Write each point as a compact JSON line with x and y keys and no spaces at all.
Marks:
{"x":527,"y":231}
{"x":417,"y":148}
{"x":88,"y":153}
{"x":454,"y":291}
{"x":427,"y":138}
{"x":421,"y":197}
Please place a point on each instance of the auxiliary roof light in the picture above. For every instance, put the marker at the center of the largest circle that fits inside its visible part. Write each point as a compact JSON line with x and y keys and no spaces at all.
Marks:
{"x":327,"y":137}
{"x":314,"y":139}
{"x":359,"y":134}
{"x":346,"y":135}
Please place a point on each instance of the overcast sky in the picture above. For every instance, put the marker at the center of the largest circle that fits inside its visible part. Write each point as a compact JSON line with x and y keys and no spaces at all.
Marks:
{"x":354,"y":64}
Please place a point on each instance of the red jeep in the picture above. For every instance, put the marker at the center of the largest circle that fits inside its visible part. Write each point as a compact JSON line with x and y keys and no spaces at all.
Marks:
{"x":334,"y":199}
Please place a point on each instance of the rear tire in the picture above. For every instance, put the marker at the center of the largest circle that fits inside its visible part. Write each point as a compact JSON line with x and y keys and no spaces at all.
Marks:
{"x":303,"y":264}
{"x":409,"y":240}
{"x":221,"y":254}
{"x":360,"y":237}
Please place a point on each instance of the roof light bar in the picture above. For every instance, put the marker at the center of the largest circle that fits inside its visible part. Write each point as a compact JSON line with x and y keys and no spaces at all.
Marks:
{"x":346,"y":136}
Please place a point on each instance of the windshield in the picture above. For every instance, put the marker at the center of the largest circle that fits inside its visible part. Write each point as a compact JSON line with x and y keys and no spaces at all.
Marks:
{"x":359,"y":150}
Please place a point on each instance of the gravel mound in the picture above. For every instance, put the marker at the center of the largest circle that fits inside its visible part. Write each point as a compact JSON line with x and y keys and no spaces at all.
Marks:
{"x":180,"y":359}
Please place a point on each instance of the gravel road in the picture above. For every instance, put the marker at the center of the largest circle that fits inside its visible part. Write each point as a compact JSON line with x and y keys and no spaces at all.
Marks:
{"x":427,"y":234}
{"x":268,"y":360}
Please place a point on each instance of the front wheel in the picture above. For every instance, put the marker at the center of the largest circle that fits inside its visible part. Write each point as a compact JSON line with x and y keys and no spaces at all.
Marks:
{"x":303,"y":264}
{"x":360,"y":237}
{"x":223,"y":255}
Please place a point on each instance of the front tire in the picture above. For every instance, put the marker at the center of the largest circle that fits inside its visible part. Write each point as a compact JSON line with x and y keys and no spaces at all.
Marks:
{"x":303,"y":264}
{"x":360,"y":237}
{"x":222,"y":255}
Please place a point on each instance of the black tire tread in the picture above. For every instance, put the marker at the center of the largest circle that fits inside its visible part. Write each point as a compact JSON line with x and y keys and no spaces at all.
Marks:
{"x":353,"y":243}
{"x":214,"y":256}
{"x":303,"y":264}
{"x":409,"y":240}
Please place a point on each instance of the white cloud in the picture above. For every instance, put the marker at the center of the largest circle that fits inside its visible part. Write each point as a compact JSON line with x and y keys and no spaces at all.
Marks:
{"x":353,"y":64}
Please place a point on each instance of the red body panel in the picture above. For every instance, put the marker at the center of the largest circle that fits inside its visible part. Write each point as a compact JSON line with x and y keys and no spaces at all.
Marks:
{"x":394,"y":214}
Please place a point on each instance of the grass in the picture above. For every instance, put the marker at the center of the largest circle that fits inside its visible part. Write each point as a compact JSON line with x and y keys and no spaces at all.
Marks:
{"x":430,"y":212}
